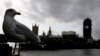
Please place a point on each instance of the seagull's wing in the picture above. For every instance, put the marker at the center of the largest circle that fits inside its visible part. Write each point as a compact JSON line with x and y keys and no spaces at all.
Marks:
{"x":10,"y":31}
{"x":22,"y":29}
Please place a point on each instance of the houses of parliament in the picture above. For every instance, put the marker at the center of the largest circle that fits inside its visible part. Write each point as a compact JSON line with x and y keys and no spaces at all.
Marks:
{"x":87,"y":31}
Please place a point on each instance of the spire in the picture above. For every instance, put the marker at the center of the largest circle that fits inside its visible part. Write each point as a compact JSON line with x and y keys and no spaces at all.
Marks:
{"x":49,"y":32}
{"x":49,"y":28}
{"x":43,"y":34}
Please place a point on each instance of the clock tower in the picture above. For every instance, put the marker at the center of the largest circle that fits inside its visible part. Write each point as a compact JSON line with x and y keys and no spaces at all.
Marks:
{"x":87,"y":27}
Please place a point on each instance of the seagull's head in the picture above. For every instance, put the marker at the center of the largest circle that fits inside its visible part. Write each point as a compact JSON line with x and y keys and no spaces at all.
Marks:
{"x":12,"y":12}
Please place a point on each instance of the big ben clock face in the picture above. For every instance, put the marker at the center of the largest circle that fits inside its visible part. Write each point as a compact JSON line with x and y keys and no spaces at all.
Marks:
{"x":86,"y":27}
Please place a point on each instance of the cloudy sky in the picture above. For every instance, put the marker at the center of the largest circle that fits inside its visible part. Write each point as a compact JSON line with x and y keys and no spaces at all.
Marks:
{"x":61,"y":15}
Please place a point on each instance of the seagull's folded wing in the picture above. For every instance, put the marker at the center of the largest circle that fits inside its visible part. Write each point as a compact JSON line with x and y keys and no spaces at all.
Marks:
{"x":15,"y":37}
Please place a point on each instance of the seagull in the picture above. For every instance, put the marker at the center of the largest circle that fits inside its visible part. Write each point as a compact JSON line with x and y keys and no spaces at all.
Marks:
{"x":17,"y":31}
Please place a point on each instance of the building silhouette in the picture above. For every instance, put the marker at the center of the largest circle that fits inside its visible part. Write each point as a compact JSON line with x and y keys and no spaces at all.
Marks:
{"x":69,"y":35}
{"x":43,"y":34}
{"x":35,"y":29}
{"x":87,"y":28}
{"x":49,"y":32}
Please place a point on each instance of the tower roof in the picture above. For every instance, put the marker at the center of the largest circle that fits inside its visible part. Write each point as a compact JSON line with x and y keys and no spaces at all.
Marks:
{"x":35,"y":25}
{"x":87,"y":19}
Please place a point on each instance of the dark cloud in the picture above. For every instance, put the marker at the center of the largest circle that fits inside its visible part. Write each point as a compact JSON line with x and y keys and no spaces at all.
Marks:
{"x":37,"y":10}
{"x":57,"y":8}
{"x":88,"y":8}
{"x":68,"y":10}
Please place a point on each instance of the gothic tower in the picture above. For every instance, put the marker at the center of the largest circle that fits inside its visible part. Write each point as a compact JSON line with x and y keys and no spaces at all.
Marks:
{"x":35,"y":29}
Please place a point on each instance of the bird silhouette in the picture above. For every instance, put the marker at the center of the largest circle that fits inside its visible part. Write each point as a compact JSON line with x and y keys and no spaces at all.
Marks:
{"x":17,"y":31}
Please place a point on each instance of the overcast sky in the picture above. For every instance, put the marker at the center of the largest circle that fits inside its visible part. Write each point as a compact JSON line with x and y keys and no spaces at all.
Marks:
{"x":61,"y":15}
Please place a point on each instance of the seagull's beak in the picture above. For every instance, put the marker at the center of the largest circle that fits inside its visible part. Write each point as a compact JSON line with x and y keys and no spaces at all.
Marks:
{"x":17,"y":13}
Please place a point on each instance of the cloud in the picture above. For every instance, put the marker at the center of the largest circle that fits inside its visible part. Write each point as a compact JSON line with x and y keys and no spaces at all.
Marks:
{"x":69,"y":10}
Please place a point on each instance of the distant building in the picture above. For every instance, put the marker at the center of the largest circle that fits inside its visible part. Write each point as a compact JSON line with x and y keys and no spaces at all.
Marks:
{"x":49,"y":32}
{"x":69,"y":35}
{"x":35,"y":29}
{"x":87,"y":28}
